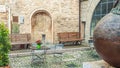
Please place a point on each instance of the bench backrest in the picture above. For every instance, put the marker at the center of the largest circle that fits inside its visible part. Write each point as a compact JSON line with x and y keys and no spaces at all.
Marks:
{"x":63,"y":35}
{"x":20,"y":37}
{"x":68,"y":35}
{"x":74,"y":35}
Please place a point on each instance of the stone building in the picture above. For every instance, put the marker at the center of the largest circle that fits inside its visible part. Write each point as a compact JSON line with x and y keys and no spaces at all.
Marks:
{"x":91,"y":12}
{"x":47,"y":17}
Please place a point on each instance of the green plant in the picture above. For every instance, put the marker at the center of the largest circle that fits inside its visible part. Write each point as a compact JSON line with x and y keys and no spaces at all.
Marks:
{"x":4,"y":45}
{"x":15,"y":28}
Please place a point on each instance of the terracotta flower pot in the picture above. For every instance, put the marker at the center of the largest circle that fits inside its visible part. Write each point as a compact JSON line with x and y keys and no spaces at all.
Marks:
{"x":38,"y":42}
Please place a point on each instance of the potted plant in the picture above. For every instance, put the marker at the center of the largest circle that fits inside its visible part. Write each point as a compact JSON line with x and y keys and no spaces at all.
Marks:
{"x":4,"y":46}
{"x":38,"y":44}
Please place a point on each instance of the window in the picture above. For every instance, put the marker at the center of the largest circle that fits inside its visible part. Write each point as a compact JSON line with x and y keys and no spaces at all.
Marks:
{"x":15,"y":18}
{"x":103,"y":8}
{"x":15,"y":25}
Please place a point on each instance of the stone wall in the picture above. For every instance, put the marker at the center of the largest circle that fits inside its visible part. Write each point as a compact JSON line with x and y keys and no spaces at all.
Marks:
{"x":4,"y":17}
{"x":64,"y":13}
{"x":87,"y":9}
{"x":84,"y":7}
{"x":2,"y":2}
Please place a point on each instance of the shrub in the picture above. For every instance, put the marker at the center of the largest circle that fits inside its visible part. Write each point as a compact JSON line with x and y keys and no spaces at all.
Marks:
{"x":4,"y":45}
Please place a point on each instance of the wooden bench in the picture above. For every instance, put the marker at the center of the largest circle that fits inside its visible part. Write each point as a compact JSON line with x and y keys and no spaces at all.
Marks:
{"x":23,"y":40}
{"x":74,"y":37}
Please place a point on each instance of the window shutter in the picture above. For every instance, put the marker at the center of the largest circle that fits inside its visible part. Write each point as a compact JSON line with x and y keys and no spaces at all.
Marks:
{"x":15,"y":19}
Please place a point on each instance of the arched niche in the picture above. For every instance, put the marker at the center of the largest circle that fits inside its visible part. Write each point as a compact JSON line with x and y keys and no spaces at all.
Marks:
{"x":41,"y":23}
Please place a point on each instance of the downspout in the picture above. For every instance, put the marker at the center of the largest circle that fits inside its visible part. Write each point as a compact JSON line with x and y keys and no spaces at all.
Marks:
{"x":79,"y":18}
{"x":9,"y":14}
{"x":9,"y":19}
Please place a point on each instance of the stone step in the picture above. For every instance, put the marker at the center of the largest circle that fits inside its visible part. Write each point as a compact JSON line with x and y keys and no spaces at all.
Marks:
{"x":96,"y":64}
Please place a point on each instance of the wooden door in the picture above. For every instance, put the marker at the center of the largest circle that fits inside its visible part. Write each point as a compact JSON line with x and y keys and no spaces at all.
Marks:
{"x":41,"y":24}
{"x":83,"y":29}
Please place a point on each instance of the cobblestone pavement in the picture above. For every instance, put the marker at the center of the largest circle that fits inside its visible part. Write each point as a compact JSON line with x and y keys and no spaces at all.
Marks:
{"x":71,"y":59}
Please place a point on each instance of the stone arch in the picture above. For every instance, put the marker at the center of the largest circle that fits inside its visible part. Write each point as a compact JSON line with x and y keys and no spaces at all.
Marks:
{"x":41,"y":23}
{"x":93,"y":4}
{"x":100,"y":12}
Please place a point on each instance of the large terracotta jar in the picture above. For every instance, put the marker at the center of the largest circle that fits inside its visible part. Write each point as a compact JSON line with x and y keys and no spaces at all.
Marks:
{"x":107,"y":37}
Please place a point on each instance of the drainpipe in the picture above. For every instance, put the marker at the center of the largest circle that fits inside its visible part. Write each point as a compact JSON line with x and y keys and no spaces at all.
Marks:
{"x":9,"y":20}
{"x":79,"y":18}
{"x":7,"y":4}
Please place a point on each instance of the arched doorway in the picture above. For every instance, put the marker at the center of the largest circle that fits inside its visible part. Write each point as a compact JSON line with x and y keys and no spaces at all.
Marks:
{"x":41,"y":23}
{"x":103,"y":8}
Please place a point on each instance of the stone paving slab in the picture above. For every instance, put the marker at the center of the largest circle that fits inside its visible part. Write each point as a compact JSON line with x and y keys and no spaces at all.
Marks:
{"x":74,"y":57}
{"x":96,"y":64}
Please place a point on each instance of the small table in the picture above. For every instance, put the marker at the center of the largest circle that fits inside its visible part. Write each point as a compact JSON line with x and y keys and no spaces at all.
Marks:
{"x":39,"y":55}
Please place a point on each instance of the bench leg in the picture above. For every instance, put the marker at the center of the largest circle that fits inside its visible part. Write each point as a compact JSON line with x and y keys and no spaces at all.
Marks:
{"x":76,"y":43}
{"x":59,"y":42}
{"x":79,"y":42}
